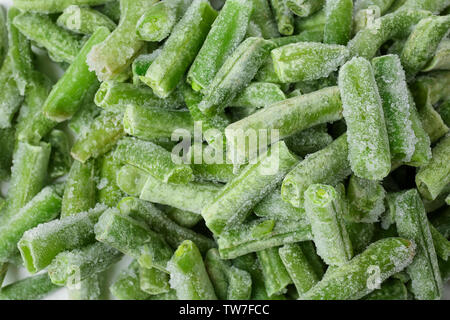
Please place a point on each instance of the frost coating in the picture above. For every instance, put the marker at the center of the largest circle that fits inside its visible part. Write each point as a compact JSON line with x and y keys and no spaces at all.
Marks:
{"x":367,"y":136}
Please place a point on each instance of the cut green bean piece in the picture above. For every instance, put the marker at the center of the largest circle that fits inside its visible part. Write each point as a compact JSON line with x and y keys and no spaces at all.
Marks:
{"x":235,"y":74}
{"x":41,"y":244}
{"x":180,"y":49}
{"x":153,"y":159}
{"x":262,"y":21}
{"x":188,"y":275}
{"x":112,"y":56}
{"x":150,"y":123}
{"x":227,"y":31}
{"x":131,"y":180}
{"x":441,"y":59}
{"x":305,"y":8}
{"x":80,"y":189}
{"x":365,"y":272}
{"x":393,"y":90}
{"x":153,"y":281}
{"x":283,"y":17}
{"x":102,"y":134}
{"x":338,"y":21}
{"x":444,"y":111}
{"x":232,"y":204}
{"x":411,"y":221}
{"x":276,"y":277}
{"x":28,"y":175}
{"x":127,"y":286}
{"x":62,"y":45}
{"x":309,"y":140}
{"x":193,"y":196}
{"x":158,"y":221}
{"x":70,"y":267}
{"x":366,"y":200}
{"x":287,"y":117}
{"x":31,"y":288}
{"x":325,"y":209}
{"x":262,"y":234}
{"x":158,"y":21}
{"x":432,"y":178}
{"x":10,"y":95}
{"x":45,"y":206}
{"x":19,"y":51}
{"x":108,"y":191}
{"x":423,"y":42}
{"x":116,"y":96}
{"x":367,"y":136}
{"x":258,"y":95}
{"x":305,"y":61}
{"x":84,"y":20}
{"x":329,"y":166}
{"x":393,"y":25}
{"x":133,"y":238}
{"x":297,"y":265}
{"x":391,"y":289}
{"x":65,"y":98}
{"x":46,"y":6}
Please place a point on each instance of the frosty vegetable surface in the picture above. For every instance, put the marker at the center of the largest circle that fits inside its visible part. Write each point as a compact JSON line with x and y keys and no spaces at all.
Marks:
{"x":247,"y":149}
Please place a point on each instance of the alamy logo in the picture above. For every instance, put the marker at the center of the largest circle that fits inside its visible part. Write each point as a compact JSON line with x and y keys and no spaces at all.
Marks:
{"x":234,"y":147}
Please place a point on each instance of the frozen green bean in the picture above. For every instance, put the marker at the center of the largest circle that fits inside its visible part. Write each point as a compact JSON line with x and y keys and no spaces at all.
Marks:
{"x":31,"y":288}
{"x":227,"y":31}
{"x":84,"y":20}
{"x":108,"y":191}
{"x":62,"y":45}
{"x":329,"y":166}
{"x":287,"y":117}
{"x":115,"y":53}
{"x":60,"y":159}
{"x":367,"y":136}
{"x":157,"y":221}
{"x":235,"y":74}
{"x":338,"y":21}
{"x":276,"y":277}
{"x":180,"y":49}
{"x":365,"y":272}
{"x":232,"y":204}
{"x":99,"y":138}
{"x":45,"y":206}
{"x":133,"y":238}
{"x":80,"y":189}
{"x":283,"y":16}
{"x":423,"y":42}
{"x":262,"y":21}
{"x":188,"y":275}
{"x":158,"y":21}
{"x":41,"y":244}
{"x":325,"y":209}
{"x":127,"y":286}
{"x":411,"y":222}
{"x":46,"y":6}
{"x":153,"y":281}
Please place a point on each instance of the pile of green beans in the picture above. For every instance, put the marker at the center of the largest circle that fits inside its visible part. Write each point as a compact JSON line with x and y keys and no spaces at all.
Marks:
{"x":272,"y":149}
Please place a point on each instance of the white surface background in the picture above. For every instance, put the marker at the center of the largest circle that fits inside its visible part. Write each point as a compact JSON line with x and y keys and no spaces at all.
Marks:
{"x":15,"y":273}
